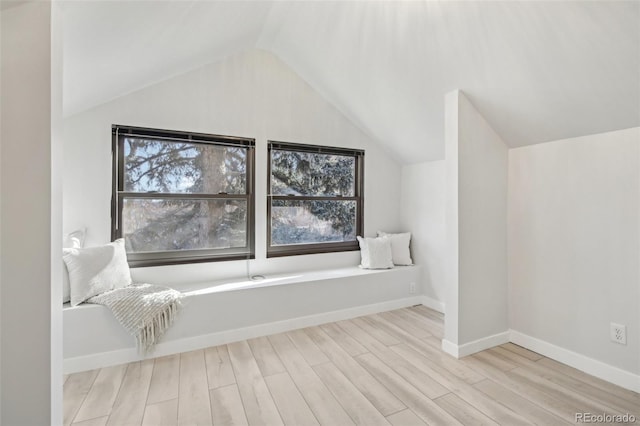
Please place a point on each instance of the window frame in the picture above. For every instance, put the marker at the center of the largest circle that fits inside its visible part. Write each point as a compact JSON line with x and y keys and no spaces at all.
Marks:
{"x":314,"y":248}
{"x":174,"y":257}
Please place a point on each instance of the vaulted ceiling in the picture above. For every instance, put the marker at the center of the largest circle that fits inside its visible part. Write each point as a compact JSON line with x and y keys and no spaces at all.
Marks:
{"x":538,"y":71}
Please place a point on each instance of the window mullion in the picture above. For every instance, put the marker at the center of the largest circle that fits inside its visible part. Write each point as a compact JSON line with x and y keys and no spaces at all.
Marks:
{"x":311,"y":198}
{"x":185,"y":196}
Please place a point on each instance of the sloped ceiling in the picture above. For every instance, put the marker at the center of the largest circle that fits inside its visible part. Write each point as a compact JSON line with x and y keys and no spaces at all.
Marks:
{"x":538,"y":71}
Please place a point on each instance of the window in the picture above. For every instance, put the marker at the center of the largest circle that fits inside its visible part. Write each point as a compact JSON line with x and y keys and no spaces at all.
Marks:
{"x":182,"y":197}
{"x":315,"y":199}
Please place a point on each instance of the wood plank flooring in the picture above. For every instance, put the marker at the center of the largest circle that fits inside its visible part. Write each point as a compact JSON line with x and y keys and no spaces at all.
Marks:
{"x":383,"y":369}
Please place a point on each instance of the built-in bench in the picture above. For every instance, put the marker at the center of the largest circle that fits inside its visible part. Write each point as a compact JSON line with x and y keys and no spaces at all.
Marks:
{"x":218,"y":312}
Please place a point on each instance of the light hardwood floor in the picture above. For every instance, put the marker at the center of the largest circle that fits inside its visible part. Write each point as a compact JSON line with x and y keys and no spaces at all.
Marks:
{"x":379,"y":369}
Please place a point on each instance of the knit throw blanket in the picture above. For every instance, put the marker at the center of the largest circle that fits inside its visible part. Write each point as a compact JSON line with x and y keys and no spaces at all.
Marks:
{"x":144,"y":310}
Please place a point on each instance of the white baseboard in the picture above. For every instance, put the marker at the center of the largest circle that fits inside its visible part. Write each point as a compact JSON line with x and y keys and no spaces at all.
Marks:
{"x":591,"y":366}
{"x":450,"y":348}
{"x":105,"y":359}
{"x":581,"y":362}
{"x":479,"y":345}
{"x":484,"y":343}
{"x":434,"y":304}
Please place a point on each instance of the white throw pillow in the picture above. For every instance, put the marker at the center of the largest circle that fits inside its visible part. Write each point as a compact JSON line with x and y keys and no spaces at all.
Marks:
{"x":95,"y":270}
{"x":73,"y":239}
{"x":375,"y":253}
{"x":399,"y":247}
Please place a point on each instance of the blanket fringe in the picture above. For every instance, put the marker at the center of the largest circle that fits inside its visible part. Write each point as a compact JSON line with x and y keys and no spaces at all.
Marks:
{"x":151,"y":332}
{"x":144,"y":310}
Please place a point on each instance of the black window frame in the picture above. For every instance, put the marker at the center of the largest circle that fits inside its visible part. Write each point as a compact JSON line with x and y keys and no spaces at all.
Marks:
{"x":119,"y":133}
{"x":314,"y":248}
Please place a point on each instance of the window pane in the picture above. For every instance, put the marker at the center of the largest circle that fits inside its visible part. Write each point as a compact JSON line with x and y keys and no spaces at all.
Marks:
{"x":307,"y":222}
{"x":183,"y":167}
{"x":304,"y":173}
{"x":157,"y":225}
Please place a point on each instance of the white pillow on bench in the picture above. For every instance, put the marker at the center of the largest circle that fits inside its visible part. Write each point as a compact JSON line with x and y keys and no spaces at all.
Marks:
{"x":375,"y":253}
{"x":95,"y":270}
{"x":399,"y":247}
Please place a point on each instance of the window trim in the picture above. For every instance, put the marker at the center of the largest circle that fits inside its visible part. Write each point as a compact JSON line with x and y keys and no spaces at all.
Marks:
{"x":314,"y":248}
{"x":175,"y":257}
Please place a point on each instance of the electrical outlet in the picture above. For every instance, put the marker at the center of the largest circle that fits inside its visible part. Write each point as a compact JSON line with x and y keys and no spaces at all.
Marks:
{"x":618,"y":333}
{"x":412,"y":288}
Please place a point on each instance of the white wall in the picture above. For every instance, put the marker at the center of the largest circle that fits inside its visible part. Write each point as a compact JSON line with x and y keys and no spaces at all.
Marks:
{"x":422,"y":213}
{"x":482,"y":221}
{"x":1,"y":213}
{"x":574,"y":244}
{"x":30,"y":333}
{"x":252,"y":94}
{"x":57,"y":163}
{"x":451,"y":263}
{"x":476,"y":226}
